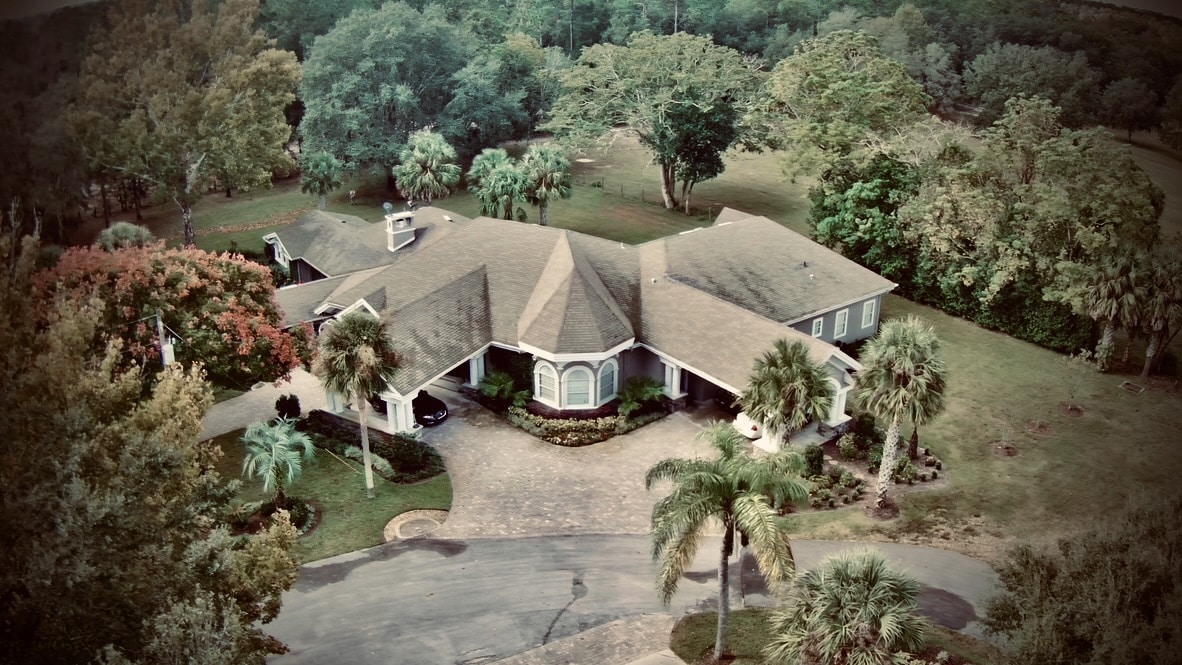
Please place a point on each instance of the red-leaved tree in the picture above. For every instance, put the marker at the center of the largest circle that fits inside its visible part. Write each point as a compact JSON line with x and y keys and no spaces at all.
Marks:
{"x":222,"y":305}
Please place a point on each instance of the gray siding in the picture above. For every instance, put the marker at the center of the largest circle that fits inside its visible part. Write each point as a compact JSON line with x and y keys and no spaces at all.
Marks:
{"x":854,"y":329}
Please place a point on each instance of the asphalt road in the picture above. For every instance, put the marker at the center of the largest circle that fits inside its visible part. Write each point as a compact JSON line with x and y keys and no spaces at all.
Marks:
{"x":450,"y":602}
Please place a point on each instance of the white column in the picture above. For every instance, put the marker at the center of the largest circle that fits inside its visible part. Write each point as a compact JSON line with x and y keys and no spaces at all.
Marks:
{"x":391,"y":415}
{"x":672,"y":379}
{"x":335,"y":404}
{"x":476,"y":369}
{"x":837,"y":411}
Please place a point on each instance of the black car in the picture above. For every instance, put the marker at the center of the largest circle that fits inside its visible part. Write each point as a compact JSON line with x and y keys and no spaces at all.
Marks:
{"x":428,"y":410}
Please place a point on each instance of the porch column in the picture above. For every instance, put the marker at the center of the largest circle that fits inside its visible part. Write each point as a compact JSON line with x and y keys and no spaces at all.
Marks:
{"x":837,"y":414}
{"x":391,"y":414}
{"x":335,"y":403}
{"x":476,"y":369}
{"x":406,"y":416}
{"x":672,"y":380}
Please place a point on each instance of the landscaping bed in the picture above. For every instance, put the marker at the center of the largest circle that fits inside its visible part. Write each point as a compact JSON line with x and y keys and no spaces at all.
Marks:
{"x":406,"y":458}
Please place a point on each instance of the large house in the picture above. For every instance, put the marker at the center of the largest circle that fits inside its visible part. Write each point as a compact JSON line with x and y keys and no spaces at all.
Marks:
{"x":463,"y":296}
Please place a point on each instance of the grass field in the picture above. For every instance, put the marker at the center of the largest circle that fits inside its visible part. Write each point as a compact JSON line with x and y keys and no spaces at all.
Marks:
{"x":349,"y":521}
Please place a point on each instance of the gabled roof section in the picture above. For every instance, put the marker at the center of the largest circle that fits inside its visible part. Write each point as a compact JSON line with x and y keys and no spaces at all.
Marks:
{"x":336,"y":244}
{"x":438,"y":330}
{"x":712,"y":336}
{"x":571,"y":309}
{"x":761,"y":266}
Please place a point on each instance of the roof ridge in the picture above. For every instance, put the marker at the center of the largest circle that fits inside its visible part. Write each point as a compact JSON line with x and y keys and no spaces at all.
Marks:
{"x":559,"y":265}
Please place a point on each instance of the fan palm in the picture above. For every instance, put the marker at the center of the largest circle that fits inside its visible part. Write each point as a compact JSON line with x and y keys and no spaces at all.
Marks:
{"x":1162,"y":306}
{"x":853,"y":609}
{"x":548,"y":172}
{"x":786,"y":390}
{"x":356,"y":359}
{"x":1111,"y":296}
{"x":734,"y":489}
{"x":276,"y":453}
{"x":483,"y":164}
{"x":902,"y":377}
{"x":428,"y":169}
{"x":320,"y":173}
{"x":501,"y":189}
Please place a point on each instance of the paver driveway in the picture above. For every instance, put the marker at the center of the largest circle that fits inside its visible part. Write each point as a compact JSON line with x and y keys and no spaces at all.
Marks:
{"x":507,"y":483}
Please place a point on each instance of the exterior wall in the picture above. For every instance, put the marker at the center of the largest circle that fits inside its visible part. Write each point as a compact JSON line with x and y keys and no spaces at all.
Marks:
{"x":699,"y":389}
{"x":854,"y":329}
{"x":640,"y":362}
{"x":562,"y":371}
{"x":302,"y":272}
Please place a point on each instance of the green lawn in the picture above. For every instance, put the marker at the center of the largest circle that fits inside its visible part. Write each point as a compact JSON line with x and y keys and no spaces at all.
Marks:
{"x":349,"y":521}
{"x":747,"y":634}
{"x":1081,"y":469}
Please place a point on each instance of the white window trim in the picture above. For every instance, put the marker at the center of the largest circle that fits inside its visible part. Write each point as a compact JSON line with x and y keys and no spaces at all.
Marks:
{"x":868,"y":314}
{"x":565,"y":384}
{"x":818,"y":326}
{"x":553,"y":374}
{"x":841,"y":322}
{"x":615,"y":386}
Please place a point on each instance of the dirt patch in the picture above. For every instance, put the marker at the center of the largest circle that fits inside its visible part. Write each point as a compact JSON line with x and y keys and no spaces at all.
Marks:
{"x":1004,"y":449}
{"x":1038,"y":427}
{"x":1071,"y":410}
{"x":889,"y":510}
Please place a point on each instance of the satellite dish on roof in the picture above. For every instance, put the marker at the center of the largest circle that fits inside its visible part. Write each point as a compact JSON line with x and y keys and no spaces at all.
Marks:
{"x":388,"y":207}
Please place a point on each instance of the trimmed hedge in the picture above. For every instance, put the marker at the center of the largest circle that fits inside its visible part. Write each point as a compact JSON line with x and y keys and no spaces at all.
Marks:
{"x":575,"y":432}
{"x":410,"y":459}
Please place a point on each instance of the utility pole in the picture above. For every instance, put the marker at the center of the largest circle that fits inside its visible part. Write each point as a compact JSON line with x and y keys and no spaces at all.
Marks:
{"x":160,"y":338}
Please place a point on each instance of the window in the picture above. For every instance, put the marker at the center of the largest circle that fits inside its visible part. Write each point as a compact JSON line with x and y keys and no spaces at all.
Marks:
{"x":545,"y":383}
{"x":818,"y":326}
{"x":577,"y":384}
{"x":868,"y":314}
{"x":840,"y":324}
{"x":607,"y":381}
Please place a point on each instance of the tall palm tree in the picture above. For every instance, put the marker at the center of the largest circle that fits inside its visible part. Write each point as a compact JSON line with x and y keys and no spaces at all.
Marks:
{"x":276,"y":453}
{"x":483,"y":164}
{"x":357,"y":359}
{"x":320,"y":173}
{"x":734,"y":489}
{"x":1112,"y":295}
{"x":853,"y":609}
{"x":428,"y":169}
{"x":548,"y":172}
{"x":902,"y":377}
{"x":786,"y":390}
{"x":1162,"y":305}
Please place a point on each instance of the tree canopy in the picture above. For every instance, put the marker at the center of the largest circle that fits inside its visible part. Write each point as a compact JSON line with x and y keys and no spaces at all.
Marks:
{"x":645,"y":87}
{"x":223,"y":306}
{"x":186,"y":97}
{"x":112,"y":513}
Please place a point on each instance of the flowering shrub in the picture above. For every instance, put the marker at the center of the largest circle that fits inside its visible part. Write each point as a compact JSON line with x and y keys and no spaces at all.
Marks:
{"x":222,"y":305}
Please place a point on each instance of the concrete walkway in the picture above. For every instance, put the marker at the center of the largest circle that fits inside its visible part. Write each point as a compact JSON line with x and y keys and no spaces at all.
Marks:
{"x":259,"y":404}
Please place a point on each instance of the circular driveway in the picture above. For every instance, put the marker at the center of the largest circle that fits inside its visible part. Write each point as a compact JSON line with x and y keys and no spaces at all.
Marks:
{"x":507,"y":483}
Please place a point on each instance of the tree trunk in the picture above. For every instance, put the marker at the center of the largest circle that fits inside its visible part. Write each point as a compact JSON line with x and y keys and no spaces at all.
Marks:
{"x":187,"y":217}
{"x":280,"y":496}
{"x":391,"y":183}
{"x":106,"y":205}
{"x":544,"y":214}
{"x":1124,"y":359}
{"x":724,"y":586}
{"x":913,"y":444}
{"x":1104,"y":348}
{"x":886,"y":468}
{"x":135,"y":198}
{"x":362,"y":408}
{"x":668,"y":182}
{"x":1150,"y":354}
{"x":229,"y":195}
{"x":323,"y":201}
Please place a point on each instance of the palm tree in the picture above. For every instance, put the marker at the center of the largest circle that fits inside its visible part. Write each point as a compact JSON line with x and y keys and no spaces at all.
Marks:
{"x":853,"y":609}
{"x":356,"y":359}
{"x":483,"y":164}
{"x":734,"y":489}
{"x":276,"y":453}
{"x":501,"y":189}
{"x":320,"y":173}
{"x":428,"y":169}
{"x":1162,"y":305}
{"x":548,"y":172}
{"x":902,"y":377}
{"x":786,"y":390}
{"x":1112,"y":295}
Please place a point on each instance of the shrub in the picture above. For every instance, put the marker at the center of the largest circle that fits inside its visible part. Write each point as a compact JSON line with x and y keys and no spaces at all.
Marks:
{"x":411,"y":460}
{"x":835,"y":473}
{"x":874,"y":458}
{"x":638,"y":392}
{"x":821,"y":497}
{"x":122,"y":235}
{"x":501,"y":389}
{"x":866,"y":431}
{"x":814,"y":461}
{"x":849,"y":449}
{"x":565,"y":431}
{"x":288,"y":407}
{"x":380,"y":464}
{"x":905,"y":471}
{"x":849,"y":480}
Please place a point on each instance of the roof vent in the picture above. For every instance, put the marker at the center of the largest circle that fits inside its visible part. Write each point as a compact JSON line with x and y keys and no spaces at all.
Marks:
{"x":448,"y":218}
{"x":804,"y":263}
{"x":812,"y":276}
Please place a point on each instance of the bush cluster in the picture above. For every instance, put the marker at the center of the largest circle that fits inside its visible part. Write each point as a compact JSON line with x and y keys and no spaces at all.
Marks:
{"x":410,"y":460}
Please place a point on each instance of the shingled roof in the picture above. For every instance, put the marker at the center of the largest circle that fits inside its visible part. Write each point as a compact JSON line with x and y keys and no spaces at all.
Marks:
{"x":759,"y":265}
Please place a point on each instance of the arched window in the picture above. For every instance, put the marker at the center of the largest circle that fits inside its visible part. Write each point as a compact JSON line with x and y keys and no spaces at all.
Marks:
{"x":607,"y":381}
{"x":545,"y":383}
{"x":576,"y":385}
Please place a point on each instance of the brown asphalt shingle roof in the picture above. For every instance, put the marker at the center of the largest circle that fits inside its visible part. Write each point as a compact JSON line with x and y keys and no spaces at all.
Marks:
{"x":761,"y":266}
